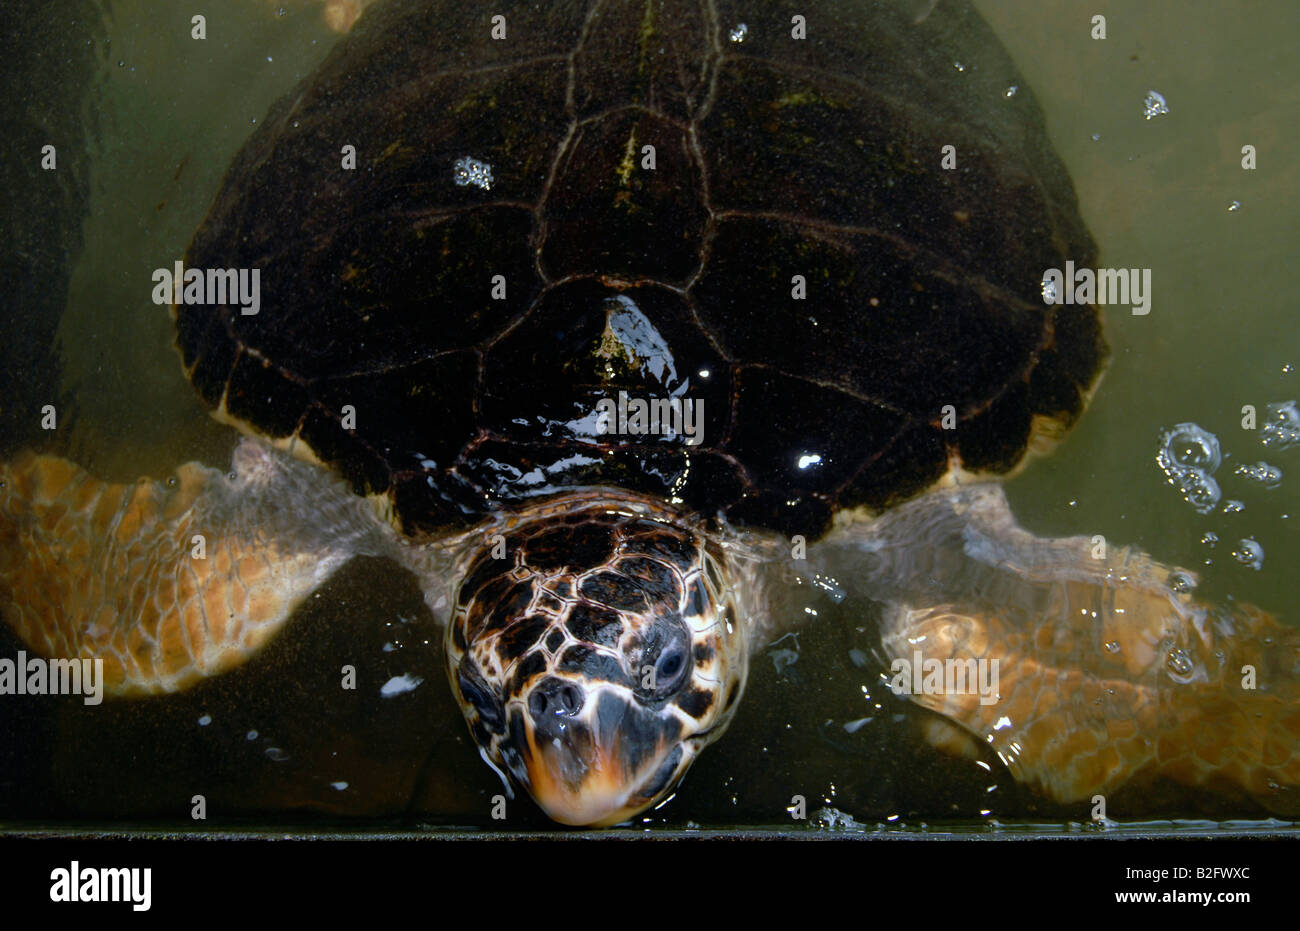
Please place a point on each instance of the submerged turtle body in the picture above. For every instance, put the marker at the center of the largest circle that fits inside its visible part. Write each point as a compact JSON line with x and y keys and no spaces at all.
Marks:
{"x":610,"y":302}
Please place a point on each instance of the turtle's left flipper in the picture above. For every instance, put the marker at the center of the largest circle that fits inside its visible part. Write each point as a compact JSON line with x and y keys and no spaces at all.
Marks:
{"x":171,"y":582}
{"x":1101,"y":669}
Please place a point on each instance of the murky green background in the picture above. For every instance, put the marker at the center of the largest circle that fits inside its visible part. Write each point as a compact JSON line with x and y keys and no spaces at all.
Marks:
{"x":172,"y":112}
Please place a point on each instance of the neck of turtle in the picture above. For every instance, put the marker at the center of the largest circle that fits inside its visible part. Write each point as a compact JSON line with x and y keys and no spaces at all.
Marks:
{"x":442,"y":561}
{"x":738,"y":565}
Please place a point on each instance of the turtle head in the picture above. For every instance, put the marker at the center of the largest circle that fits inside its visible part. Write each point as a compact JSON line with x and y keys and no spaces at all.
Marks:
{"x":595,"y":650}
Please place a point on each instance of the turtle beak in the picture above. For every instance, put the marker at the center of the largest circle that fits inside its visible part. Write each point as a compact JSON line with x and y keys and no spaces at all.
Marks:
{"x":600,"y":768}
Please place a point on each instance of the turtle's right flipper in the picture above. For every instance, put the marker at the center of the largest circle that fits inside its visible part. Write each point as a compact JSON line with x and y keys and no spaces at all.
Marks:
{"x":169,"y":583}
{"x":1084,"y":667}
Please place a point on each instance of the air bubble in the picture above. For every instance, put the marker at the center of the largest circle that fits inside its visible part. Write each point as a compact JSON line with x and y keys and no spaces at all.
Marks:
{"x":1281,"y":427}
{"x":1154,"y":105}
{"x":1048,"y":288}
{"x":472,"y":171}
{"x":1189,"y":455}
{"x":276,"y":755}
{"x":1180,"y":665}
{"x":1249,"y":553}
{"x":1011,"y":91}
{"x":1201,"y":492}
{"x":1181,"y":581}
{"x":1112,"y":646}
{"x":1261,"y":473}
{"x":1191,"y":446}
{"x":1234,"y":206}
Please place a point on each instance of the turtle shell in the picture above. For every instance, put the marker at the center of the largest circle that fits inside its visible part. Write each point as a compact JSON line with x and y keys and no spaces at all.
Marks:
{"x":650,"y":200}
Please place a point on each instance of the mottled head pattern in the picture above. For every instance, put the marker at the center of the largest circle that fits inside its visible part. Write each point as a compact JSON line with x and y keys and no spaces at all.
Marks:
{"x":596,"y":648}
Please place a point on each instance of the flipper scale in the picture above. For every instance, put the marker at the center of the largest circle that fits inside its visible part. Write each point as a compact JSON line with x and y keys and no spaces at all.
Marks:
{"x":169,"y":583}
{"x":1110,"y":673}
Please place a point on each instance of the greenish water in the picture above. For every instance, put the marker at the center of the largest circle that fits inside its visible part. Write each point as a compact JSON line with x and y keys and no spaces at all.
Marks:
{"x":172,"y":112}
{"x":1156,"y":194}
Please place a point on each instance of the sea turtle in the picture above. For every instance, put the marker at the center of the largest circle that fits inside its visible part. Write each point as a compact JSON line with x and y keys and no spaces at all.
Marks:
{"x":627,"y":327}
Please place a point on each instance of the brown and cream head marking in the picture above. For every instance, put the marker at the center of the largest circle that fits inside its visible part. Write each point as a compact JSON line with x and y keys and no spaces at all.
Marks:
{"x":596,"y":647}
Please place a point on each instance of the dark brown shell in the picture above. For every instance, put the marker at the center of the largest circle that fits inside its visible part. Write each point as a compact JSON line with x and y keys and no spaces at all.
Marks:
{"x":775,"y":157}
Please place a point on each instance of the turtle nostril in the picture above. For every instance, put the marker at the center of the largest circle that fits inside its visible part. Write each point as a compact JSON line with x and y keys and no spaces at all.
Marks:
{"x":570,"y":698}
{"x":554,"y":697}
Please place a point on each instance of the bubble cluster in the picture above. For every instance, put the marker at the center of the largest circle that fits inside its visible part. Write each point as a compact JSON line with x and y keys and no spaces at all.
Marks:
{"x":471,"y":171}
{"x":1189,"y":456}
{"x":1180,"y":666}
{"x":1210,"y":539}
{"x":1154,"y":105}
{"x":1262,"y":473}
{"x":1281,"y":427}
{"x":1048,"y":287}
{"x":836,"y":820}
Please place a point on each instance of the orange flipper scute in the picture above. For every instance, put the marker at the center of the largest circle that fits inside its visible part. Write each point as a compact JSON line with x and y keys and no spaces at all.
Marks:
{"x":169,"y":583}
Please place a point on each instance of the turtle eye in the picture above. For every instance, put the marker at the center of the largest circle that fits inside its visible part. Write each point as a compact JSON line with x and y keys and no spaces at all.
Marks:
{"x":668,"y":659}
{"x":670,"y":663}
{"x":475,"y":691}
